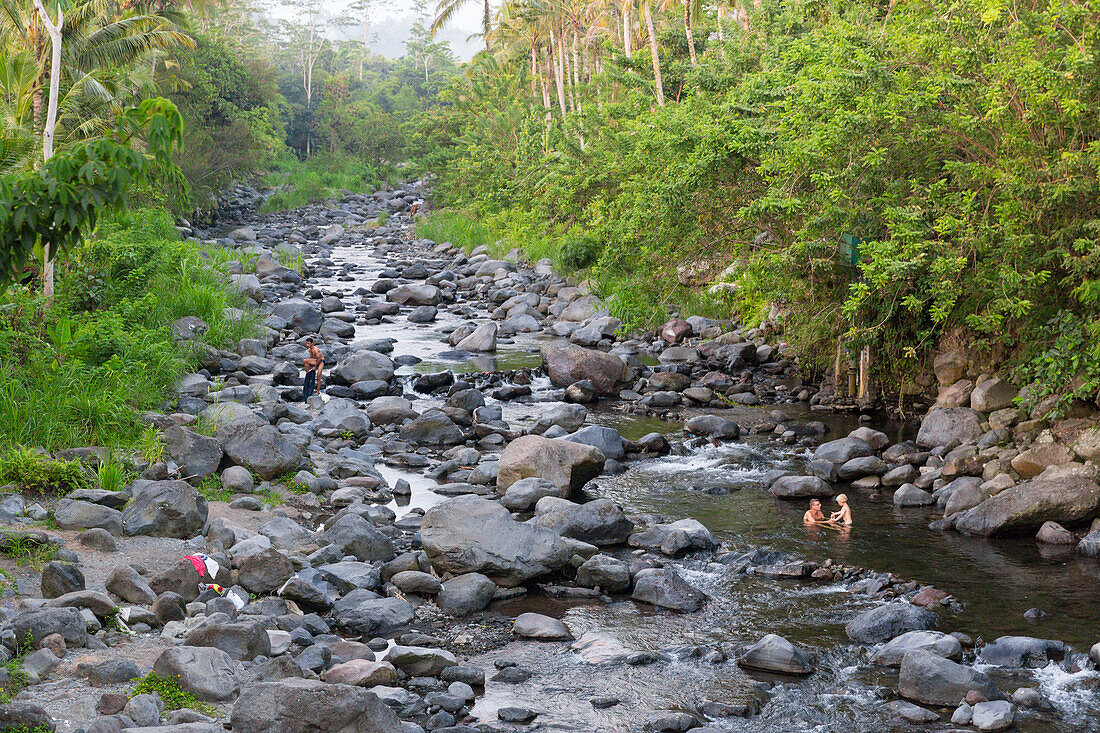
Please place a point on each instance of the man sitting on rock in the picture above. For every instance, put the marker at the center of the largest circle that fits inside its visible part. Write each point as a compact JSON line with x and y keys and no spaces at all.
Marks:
{"x":314,"y":363}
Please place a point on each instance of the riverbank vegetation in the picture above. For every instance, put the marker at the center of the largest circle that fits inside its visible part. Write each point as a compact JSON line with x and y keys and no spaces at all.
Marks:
{"x":899,"y":173}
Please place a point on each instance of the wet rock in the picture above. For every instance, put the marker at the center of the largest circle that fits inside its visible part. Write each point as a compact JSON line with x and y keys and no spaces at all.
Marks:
{"x":607,"y":440}
{"x":420,"y":661}
{"x":1036,"y":459}
{"x":1024,"y":507}
{"x":362,"y":673}
{"x":432,"y":428}
{"x":884,"y":622}
{"x":843,"y":450}
{"x":567,"y":465}
{"x":676,"y":538}
{"x":605,"y":572}
{"x":600,"y":522}
{"x":206,"y":672}
{"x":910,"y":712}
{"x":1052,"y":533}
{"x":930,"y":679}
{"x":910,"y":495}
{"x":466,"y":594}
{"x":663,"y":587}
{"x":773,"y":653}
{"x":258,"y":447}
{"x":713,"y":426}
{"x":934,"y":642}
{"x":948,"y":425}
{"x":993,"y":715}
{"x":59,"y":578}
{"x":671,"y":723}
{"x":1022,"y":651}
{"x":800,"y":487}
{"x":1089,"y":546}
{"x":283,"y":706}
{"x":568,"y":364}
{"x":364,"y":612}
{"x":522,"y":495}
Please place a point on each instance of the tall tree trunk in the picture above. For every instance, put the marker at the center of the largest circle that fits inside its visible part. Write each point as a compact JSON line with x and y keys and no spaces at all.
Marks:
{"x":486,"y":23}
{"x":51,"y":125}
{"x":543,"y":84}
{"x":657,"y":81}
{"x":555,"y":61}
{"x":721,"y":23}
{"x":366,"y":43}
{"x":687,"y":31}
{"x":627,"y":31}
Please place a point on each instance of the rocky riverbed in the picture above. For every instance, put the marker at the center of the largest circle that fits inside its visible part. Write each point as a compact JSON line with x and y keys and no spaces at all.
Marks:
{"x":501,"y":515}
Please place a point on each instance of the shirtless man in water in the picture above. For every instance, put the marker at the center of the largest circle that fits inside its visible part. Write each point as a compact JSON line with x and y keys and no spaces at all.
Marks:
{"x":314,"y":363}
{"x":814,"y":515}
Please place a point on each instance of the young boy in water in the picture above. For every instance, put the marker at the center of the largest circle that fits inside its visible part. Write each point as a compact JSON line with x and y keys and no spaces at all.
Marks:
{"x":814,"y":515}
{"x":844,"y":514}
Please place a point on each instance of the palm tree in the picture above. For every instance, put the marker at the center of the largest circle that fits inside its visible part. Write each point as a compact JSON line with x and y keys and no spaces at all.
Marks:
{"x":658,"y":83}
{"x":446,"y":9}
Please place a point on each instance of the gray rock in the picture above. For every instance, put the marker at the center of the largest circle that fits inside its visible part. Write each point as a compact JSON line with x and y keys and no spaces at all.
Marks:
{"x":260,"y":448}
{"x":466,"y":594}
{"x":930,"y":679}
{"x":71,"y":514}
{"x":363,"y":366}
{"x":127,"y":584}
{"x":910,"y":712}
{"x":887,"y":621}
{"x":300,"y":315}
{"x":800,"y":487}
{"x":165,"y":509}
{"x":567,"y":465}
{"x":414,"y":581}
{"x":144,"y":710}
{"x":993,"y":715}
{"x":483,"y":339}
{"x":284,"y":706}
{"x":264,"y":572}
{"x":432,"y":428}
{"x":910,"y":495}
{"x":775,"y":654}
{"x":421,"y":661}
{"x":600,"y":522}
{"x":1052,"y":533}
{"x":674,"y":539}
{"x":237,"y":479}
{"x":469,"y":534}
{"x":1022,"y":651}
{"x":364,"y":612}
{"x":37,"y":624}
{"x":843,"y":450}
{"x":568,"y":364}
{"x":713,"y":426}
{"x":59,"y":578}
{"x":605,"y":572}
{"x":197,"y":455}
{"x":992,"y":394}
{"x":354,"y":535}
{"x":544,"y":628}
{"x":665,"y":588}
{"x":934,"y":642}
{"x":242,"y":640}
{"x":949,"y":424}
{"x":1023,"y":508}
{"x":522,"y":495}
{"x":207,"y":673}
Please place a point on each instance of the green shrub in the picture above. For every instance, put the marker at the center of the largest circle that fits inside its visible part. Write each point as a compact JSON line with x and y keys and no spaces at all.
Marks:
{"x":579,"y":252}
{"x":169,"y":691}
{"x":32,"y":472}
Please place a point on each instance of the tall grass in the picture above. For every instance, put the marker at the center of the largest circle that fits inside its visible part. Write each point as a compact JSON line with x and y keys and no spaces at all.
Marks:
{"x":318,"y":178}
{"x":80,"y":372}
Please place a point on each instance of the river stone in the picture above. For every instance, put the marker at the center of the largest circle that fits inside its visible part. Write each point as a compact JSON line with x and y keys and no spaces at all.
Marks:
{"x":663,"y":587}
{"x":468,"y":534}
{"x":843,"y":450}
{"x":1052,"y":533}
{"x":285,"y":706}
{"x":544,"y":628}
{"x":1087,"y":445}
{"x":881,"y":623}
{"x":934,"y":642}
{"x":993,"y":715}
{"x":300,"y":315}
{"x":243,"y":640}
{"x":966,"y":494}
{"x":363,"y":366}
{"x":567,"y":465}
{"x":414,"y":581}
{"x":207,"y":673}
{"x":258,"y":447}
{"x":607,"y":440}
{"x":713,"y":426}
{"x":465,"y":594}
{"x":1023,"y":508}
{"x":354,"y":535}
{"x":364,"y":612}
{"x":568,"y":364}
{"x":165,"y":509}
{"x":1022,"y":651}
{"x":860,"y":467}
{"x":600,"y":522}
{"x":264,"y":572}
{"x":525,"y":493}
{"x":949,"y":424}
{"x":197,"y":455}
{"x":59,"y":578}
{"x":609,"y":574}
{"x":1089,"y":546}
{"x":483,"y":339}
{"x":362,"y":673}
{"x":800,"y":487}
{"x":70,"y":514}
{"x":432,"y":428}
{"x":910,"y":712}
{"x":992,"y":394}
{"x":1036,"y":459}
{"x":674,"y":539}
{"x":910,"y":495}
{"x":415,"y":294}
{"x":418,"y":661}
{"x":34,"y":626}
{"x":773,"y":653}
{"x":930,"y":679}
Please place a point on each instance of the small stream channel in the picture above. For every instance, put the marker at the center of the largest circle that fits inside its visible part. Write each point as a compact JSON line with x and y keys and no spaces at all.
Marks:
{"x":724,"y":488}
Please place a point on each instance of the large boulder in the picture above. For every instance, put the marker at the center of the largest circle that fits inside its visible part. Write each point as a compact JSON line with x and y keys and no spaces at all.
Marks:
{"x":1024,"y":508}
{"x":599,"y":522}
{"x":241,"y":640}
{"x":432,"y":428}
{"x":568,"y":364}
{"x":884,"y":622}
{"x":165,"y":509}
{"x":683,"y":535}
{"x":992,"y":394}
{"x":362,"y":366}
{"x":607,"y":440}
{"x":308,"y":706}
{"x":415,"y":294}
{"x":949,"y":424}
{"x":74,"y":514}
{"x":483,"y":339}
{"x":300,"y":315}
{"x":609,"y":574}
{"x":34,"y":626}
{"x":800,"y":487}
{"x":1023,"y":651}
{"x":365,"y":613}
{"x":258,"y":447}
{"x":354,"y":535}
{"x":934,"y":642}
{"x":566,"y":464}
{"x":663,"y":587}
{"x":197,"y":455}
{"x":469,"y":534}
{"x":773,"y":653}
{"x":930,"y":679}
{"x":207,"y":673}
{"x":842,"y":450}
{"x":1038,"y":458}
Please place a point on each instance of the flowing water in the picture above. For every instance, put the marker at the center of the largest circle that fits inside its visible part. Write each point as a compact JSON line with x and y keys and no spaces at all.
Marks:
{"x":723,"y":487}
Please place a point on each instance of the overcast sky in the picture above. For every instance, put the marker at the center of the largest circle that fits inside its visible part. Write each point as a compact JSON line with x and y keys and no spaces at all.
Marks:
{"x":392,"y":19}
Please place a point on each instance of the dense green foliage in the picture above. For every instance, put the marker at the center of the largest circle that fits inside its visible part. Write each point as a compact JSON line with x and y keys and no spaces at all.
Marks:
{"x":171,"y":694}
{"x":31,"y":471}
{"x":955,"y":147}
{"x":80,"y":372}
